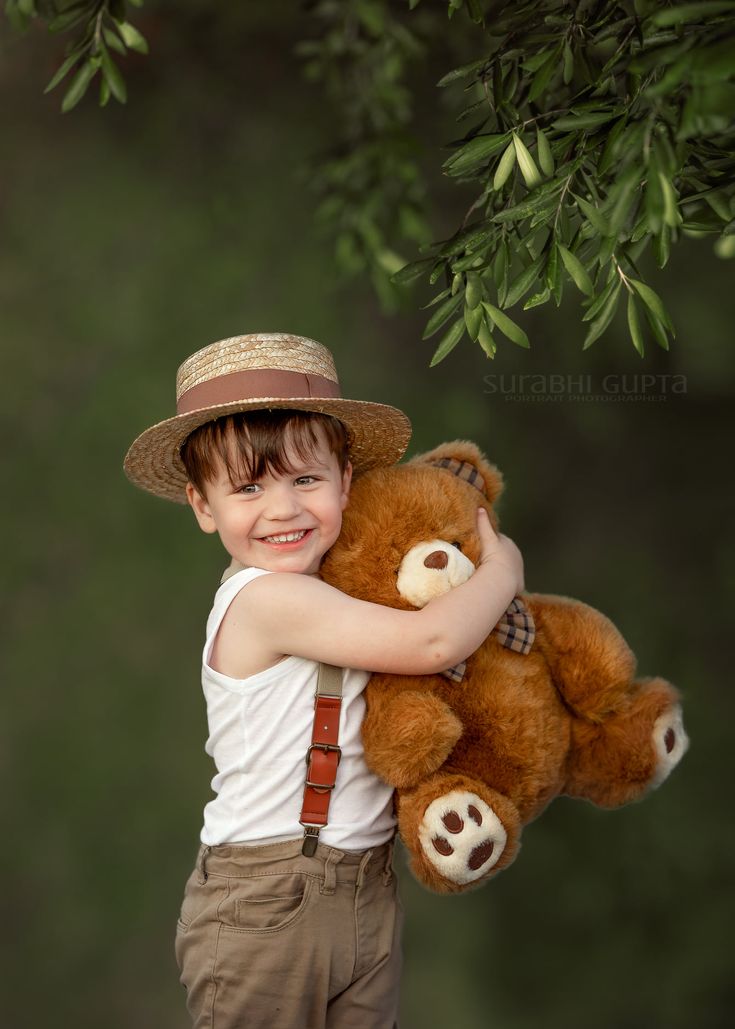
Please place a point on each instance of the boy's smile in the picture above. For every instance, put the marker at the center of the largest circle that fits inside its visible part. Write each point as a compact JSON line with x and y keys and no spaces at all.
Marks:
{"x":282,"y":522}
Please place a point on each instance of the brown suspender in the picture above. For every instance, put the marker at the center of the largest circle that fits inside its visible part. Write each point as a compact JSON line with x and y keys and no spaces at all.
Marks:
{"x":323,"y":755}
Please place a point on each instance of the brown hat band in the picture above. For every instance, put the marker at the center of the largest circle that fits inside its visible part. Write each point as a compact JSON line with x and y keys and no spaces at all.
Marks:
{"x":255,"y":384}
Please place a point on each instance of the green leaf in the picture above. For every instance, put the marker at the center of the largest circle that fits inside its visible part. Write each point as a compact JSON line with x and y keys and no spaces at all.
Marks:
{"x":448,"y":342}
{"x":411,"y":271}
{"x":500,"y":270}
{"x":71,"y":16}
{"x":576,"y":269}
{"x":609,"y":152}
{"x":437,"y":299}
{"x":132,"y":38}
{"x":620,"y":196}
{"x":473,"y":320}
{"x":114,"y":42}
{"x":505,"y":166}
{"x":683,"y":13}
{"x":509,"y":328}
{"x":543,"y":76}
{"x":634,"y":324}
{"x":533,"y":62}
{"x":590,"y":120}
{"x":442,"y":314}
{"x":545,"y":157}
{"x":659,"y":332}
{"x":78,"y":86}
{"x":475,"y":152}
{"x":593,"y":215}
{"x":554,"y":277}
{"x":653,"y":301}
{"x":719,"y":204}
{"x":568,"y":63}
{"x":671,"y":211}
{"x":525,"y":280}
{"x":662,"y":246}
{"x":537,"y":299}
{"x":473,"y":291}
{"x":725,"y":247}
{"x":600,"y":323}
{"x":486,"y":341}
{"x":598,"y":302}
{"x":529,"y":171}
{"x":112,"y":74}
{"x":62,"y":72}
{"x":461,"y":73}
{"x":104,"y":92}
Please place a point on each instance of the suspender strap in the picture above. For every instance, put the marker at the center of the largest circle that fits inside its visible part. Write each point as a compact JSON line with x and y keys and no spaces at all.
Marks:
{"x":322,"y":757}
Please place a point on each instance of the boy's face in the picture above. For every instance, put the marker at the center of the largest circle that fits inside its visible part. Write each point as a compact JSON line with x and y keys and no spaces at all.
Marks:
{"x":253,"y":519}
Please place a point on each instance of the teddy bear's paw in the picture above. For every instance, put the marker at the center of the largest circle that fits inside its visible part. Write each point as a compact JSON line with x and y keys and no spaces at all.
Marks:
{"x":670,"y":742}
{"x":462,"y":836}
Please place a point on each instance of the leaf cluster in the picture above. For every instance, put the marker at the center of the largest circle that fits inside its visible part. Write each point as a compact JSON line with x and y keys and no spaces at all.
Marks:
{"x":599,"y":129}
{"x":371,"y":193}
{"x":99,"y":27}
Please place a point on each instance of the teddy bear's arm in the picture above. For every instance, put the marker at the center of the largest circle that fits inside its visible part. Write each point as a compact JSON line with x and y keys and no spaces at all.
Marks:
{"x":408,"y":731}
{"x":590,"y":662}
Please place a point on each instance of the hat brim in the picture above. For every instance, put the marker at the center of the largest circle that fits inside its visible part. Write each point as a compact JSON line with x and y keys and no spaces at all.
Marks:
{"x":378,"y":435}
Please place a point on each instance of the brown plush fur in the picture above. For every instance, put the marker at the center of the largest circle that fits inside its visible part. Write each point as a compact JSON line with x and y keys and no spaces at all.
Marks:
{"x":519,"y":729}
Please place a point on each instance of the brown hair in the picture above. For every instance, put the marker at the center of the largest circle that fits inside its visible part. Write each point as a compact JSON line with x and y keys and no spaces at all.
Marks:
{"x":249,"y":443}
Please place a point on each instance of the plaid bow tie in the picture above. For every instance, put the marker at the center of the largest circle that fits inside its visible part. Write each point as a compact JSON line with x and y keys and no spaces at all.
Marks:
{"x":515,"y":630}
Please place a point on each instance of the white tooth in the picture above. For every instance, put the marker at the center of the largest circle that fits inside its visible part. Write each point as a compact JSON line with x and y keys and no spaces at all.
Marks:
{"x":287,"y":537}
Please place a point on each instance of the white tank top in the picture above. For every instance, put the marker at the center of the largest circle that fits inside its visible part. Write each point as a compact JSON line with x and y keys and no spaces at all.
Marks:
{"x":259,"y":731}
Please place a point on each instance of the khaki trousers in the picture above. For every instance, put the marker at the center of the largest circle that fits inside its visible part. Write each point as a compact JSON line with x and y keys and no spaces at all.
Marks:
{"x":270,"y":938}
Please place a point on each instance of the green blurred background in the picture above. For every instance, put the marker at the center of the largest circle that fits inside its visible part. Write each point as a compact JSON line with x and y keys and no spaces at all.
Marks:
{"x":131,"y":237}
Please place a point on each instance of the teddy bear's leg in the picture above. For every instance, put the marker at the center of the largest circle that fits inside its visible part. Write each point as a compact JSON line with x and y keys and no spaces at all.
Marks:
{"x":407,"y":732}
{"x":458,"y":831}
{"x":621,"y":757}
{"x":591,"y":664}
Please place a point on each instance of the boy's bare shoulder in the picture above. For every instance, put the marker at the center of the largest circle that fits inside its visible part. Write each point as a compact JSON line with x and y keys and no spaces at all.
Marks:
{"x":243,"y":645}
{"x":280,"y":587}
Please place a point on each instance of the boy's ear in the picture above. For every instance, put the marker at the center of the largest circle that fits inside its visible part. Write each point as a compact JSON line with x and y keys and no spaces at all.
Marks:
{"x":201,"y":509}
{"x":346,"y":483}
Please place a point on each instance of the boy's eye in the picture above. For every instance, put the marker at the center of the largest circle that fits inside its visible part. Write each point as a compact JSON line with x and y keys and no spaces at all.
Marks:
{"x":305,"y":480}
{"x":248,"y":488}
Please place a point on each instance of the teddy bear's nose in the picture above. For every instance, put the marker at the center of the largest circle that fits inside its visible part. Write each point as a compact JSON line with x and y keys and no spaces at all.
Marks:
{"x":436,"y":559}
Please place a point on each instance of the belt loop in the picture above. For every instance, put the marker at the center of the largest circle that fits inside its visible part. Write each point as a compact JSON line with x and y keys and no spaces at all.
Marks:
{"x":201,"y":866}
{"x":388,"y":867}
{"x":363,"y":866}
{"x":331,"y":861}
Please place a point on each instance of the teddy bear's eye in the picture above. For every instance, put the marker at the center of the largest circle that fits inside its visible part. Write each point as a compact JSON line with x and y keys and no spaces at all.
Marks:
{"x":457,"y":544}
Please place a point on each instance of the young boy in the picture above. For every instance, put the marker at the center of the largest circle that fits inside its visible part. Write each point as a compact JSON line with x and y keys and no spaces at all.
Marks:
{"x":282,"y":925}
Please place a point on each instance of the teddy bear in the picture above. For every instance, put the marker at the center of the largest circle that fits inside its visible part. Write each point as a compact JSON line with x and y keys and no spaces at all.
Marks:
{"x":548,"y":705}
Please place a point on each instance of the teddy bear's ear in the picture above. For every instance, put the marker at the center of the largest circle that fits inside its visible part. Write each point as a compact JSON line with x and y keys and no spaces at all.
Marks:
{"x":466,"y":460}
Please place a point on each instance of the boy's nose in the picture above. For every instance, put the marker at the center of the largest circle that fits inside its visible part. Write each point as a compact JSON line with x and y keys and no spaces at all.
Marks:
{"x":282,"y":503}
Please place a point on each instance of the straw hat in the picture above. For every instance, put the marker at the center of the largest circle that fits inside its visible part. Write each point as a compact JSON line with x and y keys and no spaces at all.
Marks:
{"x":261,"y":370}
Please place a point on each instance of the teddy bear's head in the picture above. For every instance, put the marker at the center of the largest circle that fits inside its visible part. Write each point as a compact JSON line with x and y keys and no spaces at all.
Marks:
{"x":409,"y":532}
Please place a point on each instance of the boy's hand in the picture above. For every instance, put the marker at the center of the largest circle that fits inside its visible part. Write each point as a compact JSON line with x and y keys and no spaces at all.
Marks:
{"x":498,"y":549}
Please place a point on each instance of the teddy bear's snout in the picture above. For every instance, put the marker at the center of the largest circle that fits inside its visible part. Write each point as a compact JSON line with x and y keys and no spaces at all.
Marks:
{"x":430,"y":568}
{"x":436,"y":559}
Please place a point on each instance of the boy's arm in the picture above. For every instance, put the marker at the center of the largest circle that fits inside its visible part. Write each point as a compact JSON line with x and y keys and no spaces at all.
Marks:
{"x":299,"y":614}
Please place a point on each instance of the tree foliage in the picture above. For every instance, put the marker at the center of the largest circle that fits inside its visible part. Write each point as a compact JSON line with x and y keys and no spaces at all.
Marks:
{"x":595,"y":130}
{"x":97,"y":27}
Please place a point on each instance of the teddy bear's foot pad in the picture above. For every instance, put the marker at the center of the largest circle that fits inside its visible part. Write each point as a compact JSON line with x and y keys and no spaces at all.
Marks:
{"x":462,"y":836}
{"x":671,"y":742}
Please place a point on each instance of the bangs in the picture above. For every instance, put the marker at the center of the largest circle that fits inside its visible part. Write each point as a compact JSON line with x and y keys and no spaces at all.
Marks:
{"x":251,"y":443}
